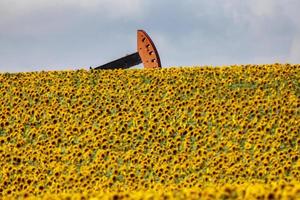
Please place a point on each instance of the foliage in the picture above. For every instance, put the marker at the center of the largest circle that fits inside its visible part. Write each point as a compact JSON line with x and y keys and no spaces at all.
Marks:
{"x":194,"y":132}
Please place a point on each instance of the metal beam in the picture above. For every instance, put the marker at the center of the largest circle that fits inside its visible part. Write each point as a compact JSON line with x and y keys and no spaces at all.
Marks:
{"x":123,"y":63}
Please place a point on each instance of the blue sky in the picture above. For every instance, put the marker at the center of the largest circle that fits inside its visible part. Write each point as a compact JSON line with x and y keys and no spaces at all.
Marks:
{"x":76,"y":34}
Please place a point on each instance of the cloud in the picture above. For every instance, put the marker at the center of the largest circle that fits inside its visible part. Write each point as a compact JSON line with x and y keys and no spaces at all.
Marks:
{"x":58,"y":34}
{"x":13,"y":12}
{"x":119,"y":8}
{"x":64,"y":34}
{"x":294,"y":55}
{"x":263,"y":8}
{"x":224,"y":31}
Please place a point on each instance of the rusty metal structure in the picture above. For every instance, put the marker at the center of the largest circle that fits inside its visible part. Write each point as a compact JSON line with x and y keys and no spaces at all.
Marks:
{"x":146,"y":54}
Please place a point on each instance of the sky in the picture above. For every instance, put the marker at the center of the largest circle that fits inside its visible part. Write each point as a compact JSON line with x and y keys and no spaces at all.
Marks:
{"x":48,"y":35}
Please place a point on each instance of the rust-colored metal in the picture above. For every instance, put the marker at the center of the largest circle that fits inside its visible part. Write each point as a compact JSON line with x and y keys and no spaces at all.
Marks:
{"x":147,"y":50}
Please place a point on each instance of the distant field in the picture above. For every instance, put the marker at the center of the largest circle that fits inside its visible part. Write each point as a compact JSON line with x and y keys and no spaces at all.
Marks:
{"x":175,"y":133}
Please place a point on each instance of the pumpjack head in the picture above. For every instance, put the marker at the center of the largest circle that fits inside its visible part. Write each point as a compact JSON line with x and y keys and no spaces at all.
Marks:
{"x":146,"y":54}
{"x":147,"y":50}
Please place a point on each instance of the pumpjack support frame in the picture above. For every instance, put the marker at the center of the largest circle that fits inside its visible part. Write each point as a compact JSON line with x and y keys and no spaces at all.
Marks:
{"x":146,"y":54}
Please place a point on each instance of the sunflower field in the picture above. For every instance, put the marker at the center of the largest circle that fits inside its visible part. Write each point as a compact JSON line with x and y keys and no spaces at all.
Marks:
{"x":229,"y":132}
